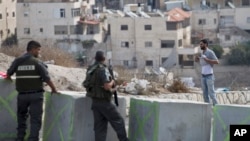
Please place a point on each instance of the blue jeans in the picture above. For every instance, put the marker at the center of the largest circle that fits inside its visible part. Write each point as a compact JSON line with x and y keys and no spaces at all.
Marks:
{"x":207,"y":83}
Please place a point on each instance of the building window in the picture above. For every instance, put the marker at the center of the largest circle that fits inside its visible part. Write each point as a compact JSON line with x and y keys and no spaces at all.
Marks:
{"x":148,"y":27}
{"x":125,"y":63}
{"x":148,"y":44}
{"x":62,"y":13}
{"x":78,"y":29}
{"x":215,"y":21}
{"x":167,"y":43}
{"x":186,"y":23}
{"x":227,"y":37}
{"x":202,"y":21}
{"x":1,"y":33}
{"x":1,"y":16}
{"x":41,"y":30}
{"x":125,"y":44}
{"x":26,"y":14}
{"x":27,"y":31}
{"x":75,"y":12}
{"x":184,"y":36}
{"x":180,"y":42}
{"x":171,"y":26}
{"x":149,"y":62}
{"x":124,"y":27}
{"x":60,"y":29}
{"x":7,"y":14}
{"x":0,"y":1}
{"x":245,"y":2}
{"x":13,"y":14}
{"x":248,"y":19}
{"x":91,"y":29}
{"x":164,"y":59}
{"x":8,"y":31}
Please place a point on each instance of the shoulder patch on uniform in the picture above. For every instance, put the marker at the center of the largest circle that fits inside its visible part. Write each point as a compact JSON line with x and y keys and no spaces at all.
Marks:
{"x":26,"y":67}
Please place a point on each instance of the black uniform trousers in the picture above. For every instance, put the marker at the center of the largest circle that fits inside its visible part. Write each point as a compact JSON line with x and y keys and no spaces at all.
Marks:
{"x":104,"y":112}
{"x":29,"y":105}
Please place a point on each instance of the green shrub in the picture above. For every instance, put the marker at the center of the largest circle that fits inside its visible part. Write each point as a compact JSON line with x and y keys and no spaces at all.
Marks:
{"x":239,"y":55}
{"x":218,"y":50}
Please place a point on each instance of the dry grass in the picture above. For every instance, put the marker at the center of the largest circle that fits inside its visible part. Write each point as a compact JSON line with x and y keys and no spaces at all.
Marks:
{"x":60,"y":57}
{"x":12,"y":51}
{"x":178,"y":87}
{"x":125,"y":75}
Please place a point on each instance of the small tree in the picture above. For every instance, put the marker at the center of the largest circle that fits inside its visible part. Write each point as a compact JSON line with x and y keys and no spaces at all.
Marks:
{"x":240,"y":54}
{"x":218,"y":50}
{"x":87,"y":46}
{"x":12,"y":40}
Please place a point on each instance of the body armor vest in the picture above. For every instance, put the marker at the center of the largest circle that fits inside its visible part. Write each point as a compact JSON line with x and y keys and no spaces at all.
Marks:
{"x":28,"y":77}
{"x":96,"y":88}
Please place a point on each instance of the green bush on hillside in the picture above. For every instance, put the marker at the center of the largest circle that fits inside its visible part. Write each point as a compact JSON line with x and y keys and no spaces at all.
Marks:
{"x":239,"y":54}
{"x":218,"y":50}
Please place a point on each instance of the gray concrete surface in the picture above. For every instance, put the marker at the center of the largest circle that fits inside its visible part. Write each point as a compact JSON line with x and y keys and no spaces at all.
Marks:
{"x":169,"y":120}
{"x":69,"y":117}
{"x":226,"y":115}
{"x":8,"y":119}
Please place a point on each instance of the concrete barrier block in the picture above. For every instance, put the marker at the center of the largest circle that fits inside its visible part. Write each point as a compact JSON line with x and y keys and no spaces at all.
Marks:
{"x":226,"y":115}
{"x":69,"y":117}
{"x":169,"y":120}
{"x":8,"y":117}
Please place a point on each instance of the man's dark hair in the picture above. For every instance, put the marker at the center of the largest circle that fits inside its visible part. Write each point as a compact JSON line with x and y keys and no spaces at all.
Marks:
{"x":204,"y":41}
{"x":33,"y":44}
{"x":99,"y":56}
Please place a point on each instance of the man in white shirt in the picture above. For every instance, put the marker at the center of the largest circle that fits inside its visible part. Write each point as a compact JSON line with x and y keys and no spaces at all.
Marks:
{"x":207,"y":60}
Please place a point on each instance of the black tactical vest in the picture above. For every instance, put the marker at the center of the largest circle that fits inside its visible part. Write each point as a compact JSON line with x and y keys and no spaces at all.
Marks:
{"x":27,"y":76}
{"x":96,"y":89}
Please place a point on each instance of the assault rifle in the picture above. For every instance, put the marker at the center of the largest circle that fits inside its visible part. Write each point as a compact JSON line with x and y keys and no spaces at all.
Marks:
{"x":115,"y":92}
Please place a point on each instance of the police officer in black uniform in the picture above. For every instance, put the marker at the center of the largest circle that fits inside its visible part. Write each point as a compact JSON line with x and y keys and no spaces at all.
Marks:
{"x":30,"y":75}
{"x":104,"y":110}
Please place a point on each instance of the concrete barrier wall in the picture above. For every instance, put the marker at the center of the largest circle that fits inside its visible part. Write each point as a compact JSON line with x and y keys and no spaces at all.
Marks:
{"x":226,"y":115}
{"x":8,"y":118}
{"x":68,"y":117}
{"x":230,"y":97}
{"x":169,"y":120}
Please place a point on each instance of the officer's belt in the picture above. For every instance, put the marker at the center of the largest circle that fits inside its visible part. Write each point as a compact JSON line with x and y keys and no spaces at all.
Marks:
{"x":31,"y":92}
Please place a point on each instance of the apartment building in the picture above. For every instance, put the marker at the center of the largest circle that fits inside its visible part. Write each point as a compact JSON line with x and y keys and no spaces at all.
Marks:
{"x":57,"y":21}
{"x":7,"y":19}
{"x":222,"y":21}
{"x":140,"y":39}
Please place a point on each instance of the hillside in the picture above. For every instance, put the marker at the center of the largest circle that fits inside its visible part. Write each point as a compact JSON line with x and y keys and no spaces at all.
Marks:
{"x":64,"y":78}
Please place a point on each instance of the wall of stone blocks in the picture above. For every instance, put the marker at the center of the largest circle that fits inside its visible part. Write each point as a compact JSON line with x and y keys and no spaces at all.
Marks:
{"x":8,"y":117}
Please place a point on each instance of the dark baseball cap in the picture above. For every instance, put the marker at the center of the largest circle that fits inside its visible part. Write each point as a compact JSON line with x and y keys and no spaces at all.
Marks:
{"x":99,"y":56}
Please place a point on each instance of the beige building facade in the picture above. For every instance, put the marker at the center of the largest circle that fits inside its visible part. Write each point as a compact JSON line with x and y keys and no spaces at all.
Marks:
{"x":53,"y":21}
{"x":7,"y":19}
{"x":226,"y":25}
{"x":154,"y":41}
